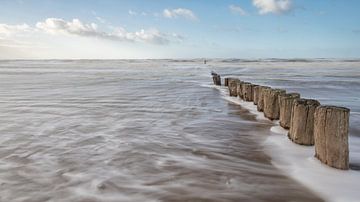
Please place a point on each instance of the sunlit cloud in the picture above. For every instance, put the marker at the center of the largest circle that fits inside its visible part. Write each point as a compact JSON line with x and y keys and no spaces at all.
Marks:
{"x":133,"y":13}
{"x":179,"y":13}
{"x":8,"y":30}
{"x":273,"y":6}
{"x":76,"y":27}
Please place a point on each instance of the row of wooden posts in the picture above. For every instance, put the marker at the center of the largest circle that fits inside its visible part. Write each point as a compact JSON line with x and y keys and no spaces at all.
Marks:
{"x":308,"y":122}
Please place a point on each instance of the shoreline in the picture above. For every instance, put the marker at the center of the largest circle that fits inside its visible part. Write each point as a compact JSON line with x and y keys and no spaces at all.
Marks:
{"x":300,"y":164}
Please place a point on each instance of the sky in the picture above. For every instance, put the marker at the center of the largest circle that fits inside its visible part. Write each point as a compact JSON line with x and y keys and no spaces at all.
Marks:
{"x":130,"y":29}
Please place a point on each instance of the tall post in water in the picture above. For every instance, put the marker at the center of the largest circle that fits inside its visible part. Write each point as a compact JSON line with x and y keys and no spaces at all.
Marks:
{"x":247,"y":91}
{"x":233,"y":87}
{"x":255,"y":93}
{"x":217,"y":80}
{"x":239,"y":89}
{"x":286,"y":103}
{"x":260,"y":101}
{"x":271,"y":103}
{"x":331,"y":129}
{"x":226,"y":82}
{"x":302,"y":121}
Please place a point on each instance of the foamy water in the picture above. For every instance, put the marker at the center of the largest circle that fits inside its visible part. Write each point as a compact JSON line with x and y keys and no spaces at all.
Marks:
{"x":153,"y":130}
{"x":298,"y":161}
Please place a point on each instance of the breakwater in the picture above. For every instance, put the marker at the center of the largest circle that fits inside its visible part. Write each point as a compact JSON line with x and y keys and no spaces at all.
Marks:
{"x":308,"y":122}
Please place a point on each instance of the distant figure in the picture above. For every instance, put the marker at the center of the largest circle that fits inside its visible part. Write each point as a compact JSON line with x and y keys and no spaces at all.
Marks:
{"x":204,"y":61}
{"x":213,"y":73}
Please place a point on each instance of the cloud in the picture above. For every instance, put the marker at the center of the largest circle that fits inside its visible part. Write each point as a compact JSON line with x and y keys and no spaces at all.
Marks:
{"x":134,"y":13}
{"x":74,"y":27}
{"x":237,"y":10}
{"x":8,"y":30}
{"x":147,"y":36}
{"x":58,"y":26}
{"x":131,"y":12}
{"x":273,"y":6}
{"x":180,"y":13}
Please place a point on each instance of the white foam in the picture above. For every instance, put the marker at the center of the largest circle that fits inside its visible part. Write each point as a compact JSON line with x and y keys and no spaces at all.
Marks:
{"x":236,"y":100}
{"x":299,"y":163}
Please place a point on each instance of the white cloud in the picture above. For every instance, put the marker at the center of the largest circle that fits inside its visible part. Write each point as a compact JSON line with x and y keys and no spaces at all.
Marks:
{"x":133,"y":13}
{"x":17,"y":40}
{"x":8,"y":30}
{"x":273,"y":6}
{"x":74,"y":27}
{"x":147,"y":36}
{"x":179,"y":12}
{"x":78,"y":28}
{"x":237,"y":10}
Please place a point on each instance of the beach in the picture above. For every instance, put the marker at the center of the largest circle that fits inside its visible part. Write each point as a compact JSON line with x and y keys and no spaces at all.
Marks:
{"x":159,"y":130}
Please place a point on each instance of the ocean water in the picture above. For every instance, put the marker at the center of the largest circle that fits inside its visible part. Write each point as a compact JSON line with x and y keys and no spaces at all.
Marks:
{"x":158,"y":130}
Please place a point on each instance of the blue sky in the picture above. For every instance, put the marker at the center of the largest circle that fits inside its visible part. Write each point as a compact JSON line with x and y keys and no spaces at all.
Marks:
{"x":179,"y":29}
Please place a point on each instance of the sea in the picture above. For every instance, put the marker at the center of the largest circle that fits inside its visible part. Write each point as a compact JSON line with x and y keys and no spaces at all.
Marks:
{"x":159,"y":130}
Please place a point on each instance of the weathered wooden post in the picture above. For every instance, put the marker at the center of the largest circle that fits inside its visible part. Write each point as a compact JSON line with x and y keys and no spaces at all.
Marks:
{"x":271,"y":103}
{"x":226,"y":82}
{"x":239,"y":88}
{"x":302,"y":121}
{"x":217,"y":80}
{"x":331,"y":129}
{"x":260,"y":102}
{"x":233,"y":87}
{"x":247,"y":91}
{"x":286,"y":102}
{"x":253,"y":93}
{"x":256,"y":92}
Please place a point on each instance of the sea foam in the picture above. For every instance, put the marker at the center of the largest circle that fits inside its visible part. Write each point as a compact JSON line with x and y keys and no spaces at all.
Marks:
{"x":299,"y":163}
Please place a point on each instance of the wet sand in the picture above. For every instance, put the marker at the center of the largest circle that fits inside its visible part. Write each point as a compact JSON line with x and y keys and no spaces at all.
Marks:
{"x":118,"y":131}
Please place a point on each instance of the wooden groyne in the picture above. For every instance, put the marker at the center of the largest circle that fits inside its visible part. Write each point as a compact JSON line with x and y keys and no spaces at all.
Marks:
{"x":286,"y":102}
{"x":260,"y":101}
{"x":271,"y":103}
{"x":331,"y":136}
{"x":216,"y":78}
{"x":302,"y":121}
{"x":308,"y":122}
{"x":233,"y":83}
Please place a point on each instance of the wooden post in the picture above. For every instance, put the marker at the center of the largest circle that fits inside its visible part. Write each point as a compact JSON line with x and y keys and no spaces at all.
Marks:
{"x":271,"y":103}
{"x":233,"y":87}
{"x":254,"y":91}
{"x":331,"y":129}
{"x":217,"y":79}
{"x":226,"y":82}
{"x":302,"y":121}
{"x":286,"y":102}
{"x":247,"y":91}
{"x":260,"y":102}
{"x":256,"y":94}
{"x":239,"y":88}
{"x":228,"y":79}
